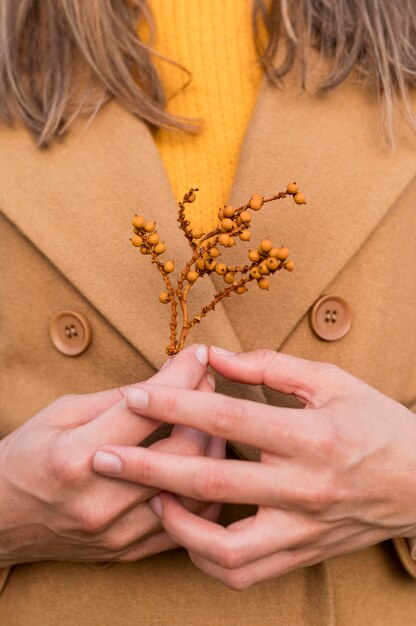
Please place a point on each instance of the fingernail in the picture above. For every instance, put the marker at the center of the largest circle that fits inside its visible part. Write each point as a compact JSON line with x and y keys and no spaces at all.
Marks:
{"x":106,"y":463}
{"x":222,"y":352}
{"x":211,"y":380}
{"x":156,"y":505}
{"x":201,"y":354}
{"x":137,"y":398}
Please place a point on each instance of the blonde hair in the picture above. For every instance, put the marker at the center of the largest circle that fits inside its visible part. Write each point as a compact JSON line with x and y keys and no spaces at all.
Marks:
{"x":377,"y":37}
{"x":60,"y":59}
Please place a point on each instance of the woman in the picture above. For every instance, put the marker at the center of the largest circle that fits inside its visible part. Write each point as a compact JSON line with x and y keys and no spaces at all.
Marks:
{"x":322,"y":486}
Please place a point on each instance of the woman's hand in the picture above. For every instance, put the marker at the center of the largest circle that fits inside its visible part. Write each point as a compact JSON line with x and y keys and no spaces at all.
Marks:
{"x":334,"y":477}
{"x":54,"y":506}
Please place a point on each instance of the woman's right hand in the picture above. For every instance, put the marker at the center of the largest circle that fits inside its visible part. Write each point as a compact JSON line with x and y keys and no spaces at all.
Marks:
{"x":53,"y":506}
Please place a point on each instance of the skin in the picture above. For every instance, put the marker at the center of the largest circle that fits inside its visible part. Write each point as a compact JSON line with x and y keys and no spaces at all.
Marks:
{"x":53,"y":506}
{"x":334,"y":477}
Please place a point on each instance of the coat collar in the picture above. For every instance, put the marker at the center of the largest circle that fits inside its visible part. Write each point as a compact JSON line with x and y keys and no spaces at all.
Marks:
{"x":75,"y":202}
{"x":334,"y":147}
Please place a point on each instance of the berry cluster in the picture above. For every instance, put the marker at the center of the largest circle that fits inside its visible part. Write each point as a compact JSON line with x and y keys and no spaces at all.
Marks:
{"x":206,"y":248}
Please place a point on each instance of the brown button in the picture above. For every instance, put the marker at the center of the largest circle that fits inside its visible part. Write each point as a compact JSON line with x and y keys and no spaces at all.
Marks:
{"x":70,"y":332}
{"x":331,"y":318}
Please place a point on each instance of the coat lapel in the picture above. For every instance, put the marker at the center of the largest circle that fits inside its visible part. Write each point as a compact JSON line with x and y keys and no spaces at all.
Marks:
{"x":333,"y":146}
{"x":75,"y":202}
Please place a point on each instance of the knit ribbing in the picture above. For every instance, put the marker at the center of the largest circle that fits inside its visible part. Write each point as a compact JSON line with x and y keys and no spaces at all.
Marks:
{"x":213,"y":40}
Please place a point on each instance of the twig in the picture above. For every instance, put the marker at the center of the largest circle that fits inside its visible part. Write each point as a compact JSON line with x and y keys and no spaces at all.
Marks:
{"x":265,"y":261}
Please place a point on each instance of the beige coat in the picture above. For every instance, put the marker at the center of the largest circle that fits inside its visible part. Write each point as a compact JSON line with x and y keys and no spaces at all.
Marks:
{"x":64,"y":245}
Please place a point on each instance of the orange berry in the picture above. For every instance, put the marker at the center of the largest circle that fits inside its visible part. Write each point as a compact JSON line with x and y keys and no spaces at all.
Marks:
{"x":292,"y":188}
{"x":231,"y":242}
{"x":245,"y":217}
{"x":227,"y":224}
{"x":221,"y":269}
{"x":229,"y":278}
{"x":144,"y":250}
{"x":214,"y":252}
{"x":200,"y":263}
{"x":256,"y":202}
{"x":220,"y":214}
{"x":263,"y":269}
{"x":282,"y":253}
{"x":264,"y":283}
{"x":274,"y":252}
{"x":164,"y":297}
{"x":210,"y":264}
{"x":245,"y":235}
{"x":149,"y":227}
{"x":153,"y":239}
{"x":299,"y":198}
{"x":254,"y":256}
{"x":241,"y":289}
{"x":192,"y":276}
{"x":272,"y":264}
{"x":223,"y":240}
{"x":138,"y":221}
{"x":159,"y":248}
{"x":254,"y":273}
{"x":228,"y":211}
{"x":136,"y":240}
{"x":266,"y":245}
{"x":169,"y":266}
{"x":289,"y":266}
{"x":196,"y":233}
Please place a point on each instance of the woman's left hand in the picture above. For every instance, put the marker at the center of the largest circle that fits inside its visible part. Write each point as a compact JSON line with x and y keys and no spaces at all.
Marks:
{"x":334,"y":477}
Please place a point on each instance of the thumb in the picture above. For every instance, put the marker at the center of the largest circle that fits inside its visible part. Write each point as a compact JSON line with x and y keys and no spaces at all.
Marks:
{"x":118,"y":425}
{"x":185,"y":370}
{"x":104,"y":417}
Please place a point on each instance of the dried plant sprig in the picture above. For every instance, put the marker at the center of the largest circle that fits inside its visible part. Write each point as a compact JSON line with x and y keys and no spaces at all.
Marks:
{"x":265,"y":260}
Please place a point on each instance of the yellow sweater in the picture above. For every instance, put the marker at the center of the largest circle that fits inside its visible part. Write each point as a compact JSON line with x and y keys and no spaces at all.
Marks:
{"x":213,"y":40}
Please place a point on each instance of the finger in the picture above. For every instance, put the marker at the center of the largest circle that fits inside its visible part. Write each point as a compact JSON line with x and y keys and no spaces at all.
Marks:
{"x":185,"y":370}
{"x":129,"y":527}
{"x":279,"y":430}
{"x":216,"y":448}
{"x":214,"y":480}
{"x":161,"y":541}
{"x":261,"y":535}
{"x":185,"y":440}
{"x":282,"y":562}
{"x":312,"y":382}
{"x":188,"y":369}
{"x":155,"y":544}
{"x":118,"y":425}
{"x":184,"y":435}
{"x":207,"y":383}
{"x":246,"y":576}
{"x":199,"y":438}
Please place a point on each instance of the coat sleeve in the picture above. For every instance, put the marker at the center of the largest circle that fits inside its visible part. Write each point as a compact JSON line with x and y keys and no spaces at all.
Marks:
{"x":406,"y":546}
